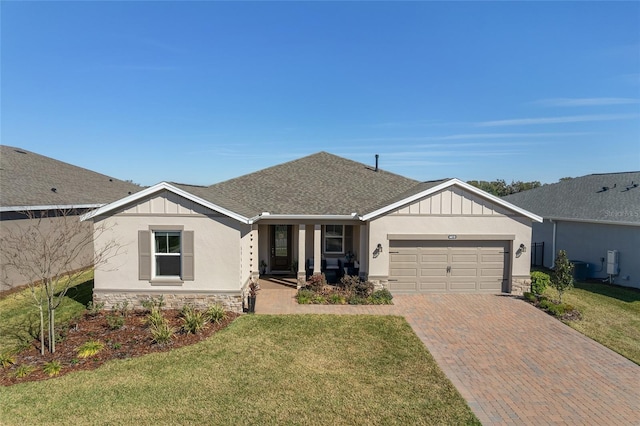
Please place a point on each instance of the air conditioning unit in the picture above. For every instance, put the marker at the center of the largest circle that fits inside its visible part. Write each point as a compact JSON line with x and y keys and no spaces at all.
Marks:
{"x":612,"y":262}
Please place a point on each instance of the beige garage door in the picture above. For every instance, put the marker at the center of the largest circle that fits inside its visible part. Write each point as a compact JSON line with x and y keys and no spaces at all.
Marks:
{"x":448,"y":266}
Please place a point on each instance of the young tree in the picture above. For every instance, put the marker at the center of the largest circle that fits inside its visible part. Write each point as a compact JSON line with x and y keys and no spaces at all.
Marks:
{"x":562,"y":275}
{"x":51,"y":249}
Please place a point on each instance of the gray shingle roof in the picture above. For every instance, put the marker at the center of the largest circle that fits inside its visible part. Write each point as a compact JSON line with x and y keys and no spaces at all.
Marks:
{"x":26,"y":179}
{"x":585,"y":198}
{"x":319,"y":184}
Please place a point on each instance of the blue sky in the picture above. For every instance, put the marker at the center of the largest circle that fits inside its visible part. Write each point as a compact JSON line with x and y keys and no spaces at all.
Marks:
{"x":200,"y":92}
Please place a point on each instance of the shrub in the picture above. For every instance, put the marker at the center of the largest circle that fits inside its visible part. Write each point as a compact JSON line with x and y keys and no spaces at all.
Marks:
{"x":6,"y":359}
{"x":354,"y":299}
{"x":90,"y":348}
{"x":94,"y":309}
{"x":562,"y":276}
{"x":155,"y":318}
{"x":381,"y":297}
{"x":316,"y":283}
{"x":216,"y":313}
{"x":193,"y":321}
{"x":162,"y":333}
{"x":364,"y":289}
{"x":318,"y":299}
{"x":115,"y":321}
{"x":349,"y":283}
{"x":23,"y":371}
{"x":52,"y":368}
{"x":336,"y":299}
{"x":304,"y":296}
{"x":529,"y":297}
{"x":545,"y":303}
{"x":153,"y":304}
{"x":556,"y":310}
{"x":539,"y":282}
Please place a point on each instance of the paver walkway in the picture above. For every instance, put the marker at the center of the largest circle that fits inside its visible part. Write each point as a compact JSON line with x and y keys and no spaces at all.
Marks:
{"x":511,"y":362}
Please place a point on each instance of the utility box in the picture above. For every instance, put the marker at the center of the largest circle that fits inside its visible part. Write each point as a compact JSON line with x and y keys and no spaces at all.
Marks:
{"x":612,"y":262}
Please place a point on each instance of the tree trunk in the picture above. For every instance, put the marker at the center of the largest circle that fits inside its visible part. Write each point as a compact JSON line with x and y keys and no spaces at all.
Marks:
{"x":52,"y":331}
{"x":41,"y":330}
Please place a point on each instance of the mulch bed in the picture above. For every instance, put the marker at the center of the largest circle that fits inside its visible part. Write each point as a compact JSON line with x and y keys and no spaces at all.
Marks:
{"x":132,"y":340}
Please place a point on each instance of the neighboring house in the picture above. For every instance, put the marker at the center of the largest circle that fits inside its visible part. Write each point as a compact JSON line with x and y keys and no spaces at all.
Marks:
{"x":35,"y":185}
{"x":205,"y":244}
{"x":589,"y":216}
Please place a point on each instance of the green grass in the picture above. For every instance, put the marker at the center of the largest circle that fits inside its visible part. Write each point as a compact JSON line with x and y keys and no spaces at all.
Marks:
{"x":18,"y":315}
{"x":610,"y":315}
{"x":262,"y":369}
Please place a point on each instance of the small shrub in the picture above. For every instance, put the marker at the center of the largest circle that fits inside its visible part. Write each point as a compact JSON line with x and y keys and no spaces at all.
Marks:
{"x":94,"y":309}
{"x":318,"y":299}
{"x":23,"y":371}
{"x":364,"y":289}
{"x":381,"y":297}
{"x":539,"y":282}
{"x":52,"y":368}
{"x":216,"y":313}
{"x":557,"y":310}
{"x":7,"y":358}
{"x":115,"y":321}
{"x":545,"y":303}
{"x":529,"y":297}
{"x":155,"y":317}
{"x":349,"y":282}
{"x":316,"y":283}
{"x":193,"y":321}
{"x":90,"y":348}
{"x":152,"y":303}
{"x":336,"y":299}
{"x":162,"y":333}
{"x":356,"y":300}
{"x":304,"y":296}
{"x":122,"y":308}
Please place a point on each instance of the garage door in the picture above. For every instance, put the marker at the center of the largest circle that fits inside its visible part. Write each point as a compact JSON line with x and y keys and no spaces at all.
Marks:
{"x":448,"y":266}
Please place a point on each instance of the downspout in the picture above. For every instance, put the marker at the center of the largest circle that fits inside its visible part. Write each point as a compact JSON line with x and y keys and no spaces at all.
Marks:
{"x":553,"y":244}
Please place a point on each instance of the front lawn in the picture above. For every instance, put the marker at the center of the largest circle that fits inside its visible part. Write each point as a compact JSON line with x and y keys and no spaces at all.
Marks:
{"x":610,"y":315}
{"x":294,"y":369}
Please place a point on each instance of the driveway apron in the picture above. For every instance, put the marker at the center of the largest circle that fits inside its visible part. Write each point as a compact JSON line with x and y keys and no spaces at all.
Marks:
{"x":511,"y":362}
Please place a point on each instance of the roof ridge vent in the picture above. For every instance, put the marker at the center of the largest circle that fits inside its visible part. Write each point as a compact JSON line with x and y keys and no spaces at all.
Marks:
{"x":630,"y":187}
{"x":604,"y":189}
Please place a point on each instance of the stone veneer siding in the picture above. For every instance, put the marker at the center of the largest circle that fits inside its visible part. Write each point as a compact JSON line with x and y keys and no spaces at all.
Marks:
{"x":520,"y":285}
{"x":231,"y":302}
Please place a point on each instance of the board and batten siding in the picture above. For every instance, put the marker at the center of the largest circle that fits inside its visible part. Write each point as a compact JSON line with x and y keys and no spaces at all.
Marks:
{"x":452,"y":201}
{"x":217,"y":247}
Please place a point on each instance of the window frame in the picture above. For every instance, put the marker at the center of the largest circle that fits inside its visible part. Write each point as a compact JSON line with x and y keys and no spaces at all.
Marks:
{"x":155,"y":254}
{"x":341,"y":238}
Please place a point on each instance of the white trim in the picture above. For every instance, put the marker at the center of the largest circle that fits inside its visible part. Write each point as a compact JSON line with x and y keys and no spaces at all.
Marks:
{"x":157,"y":188}
{"x":49,"y":207}
{"x":446,"y":185}
{"x":593,"y":221}
{"x":267,"y":215}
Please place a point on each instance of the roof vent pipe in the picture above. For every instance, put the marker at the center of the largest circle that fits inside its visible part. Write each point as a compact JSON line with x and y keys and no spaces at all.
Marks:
{"x":377,"y":156}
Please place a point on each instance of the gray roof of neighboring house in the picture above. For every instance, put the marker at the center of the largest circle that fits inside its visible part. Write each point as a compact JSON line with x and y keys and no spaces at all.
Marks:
{"x":607,"y":197}
{"x":27,"y":179}
{"x":319,"y":184}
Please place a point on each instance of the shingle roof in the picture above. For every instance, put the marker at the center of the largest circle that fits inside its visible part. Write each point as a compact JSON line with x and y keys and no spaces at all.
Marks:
{"x":27,"y":179}
{"x":319,"y":184}
{"x":585,"y":198}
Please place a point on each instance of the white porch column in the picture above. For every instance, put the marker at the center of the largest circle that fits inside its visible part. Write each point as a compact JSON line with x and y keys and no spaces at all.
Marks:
{"x":364,"y":251}
{"x":317,"y":249}
{"x":255,"y":252}
{"x":302,"y":273}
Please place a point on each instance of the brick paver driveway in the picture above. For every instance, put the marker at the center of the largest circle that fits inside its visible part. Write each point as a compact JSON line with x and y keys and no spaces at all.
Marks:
{"x":512,"y":363}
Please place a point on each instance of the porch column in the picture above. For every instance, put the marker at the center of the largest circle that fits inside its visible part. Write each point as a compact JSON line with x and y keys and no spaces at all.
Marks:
{"x":317,"y":249}
{"x":302,"y":273}
{"x":254,"y":254}
{"x":364,"y":251}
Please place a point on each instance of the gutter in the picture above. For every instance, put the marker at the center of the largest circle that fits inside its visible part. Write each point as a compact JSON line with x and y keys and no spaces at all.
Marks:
{"x":49,"y":207}
{"x":267,"y":215}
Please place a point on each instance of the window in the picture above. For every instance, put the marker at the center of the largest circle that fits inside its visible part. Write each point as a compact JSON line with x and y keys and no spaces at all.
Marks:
{"x":167,"y":253}
{"x":334,"y":239}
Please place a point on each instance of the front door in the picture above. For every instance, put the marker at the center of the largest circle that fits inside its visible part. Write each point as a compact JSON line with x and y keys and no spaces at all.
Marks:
{"x":280,"y":248}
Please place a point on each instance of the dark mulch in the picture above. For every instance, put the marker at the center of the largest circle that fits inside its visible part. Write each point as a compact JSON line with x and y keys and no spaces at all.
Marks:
{"x":132,"y":340}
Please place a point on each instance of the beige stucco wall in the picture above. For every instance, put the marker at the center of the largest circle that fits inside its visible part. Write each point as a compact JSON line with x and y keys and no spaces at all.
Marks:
{"x":14,"y":222}
{"x":222,"y":247}
{"x":466,"y":215}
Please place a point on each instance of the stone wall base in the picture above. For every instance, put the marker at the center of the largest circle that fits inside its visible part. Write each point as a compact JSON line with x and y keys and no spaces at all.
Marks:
{"x":231,"y":302}
{"x":379,"y":282}
{"x":520,"y":285}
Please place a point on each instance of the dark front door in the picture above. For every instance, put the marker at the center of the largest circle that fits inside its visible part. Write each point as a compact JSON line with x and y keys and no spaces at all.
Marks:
{"x":280,"y":248}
